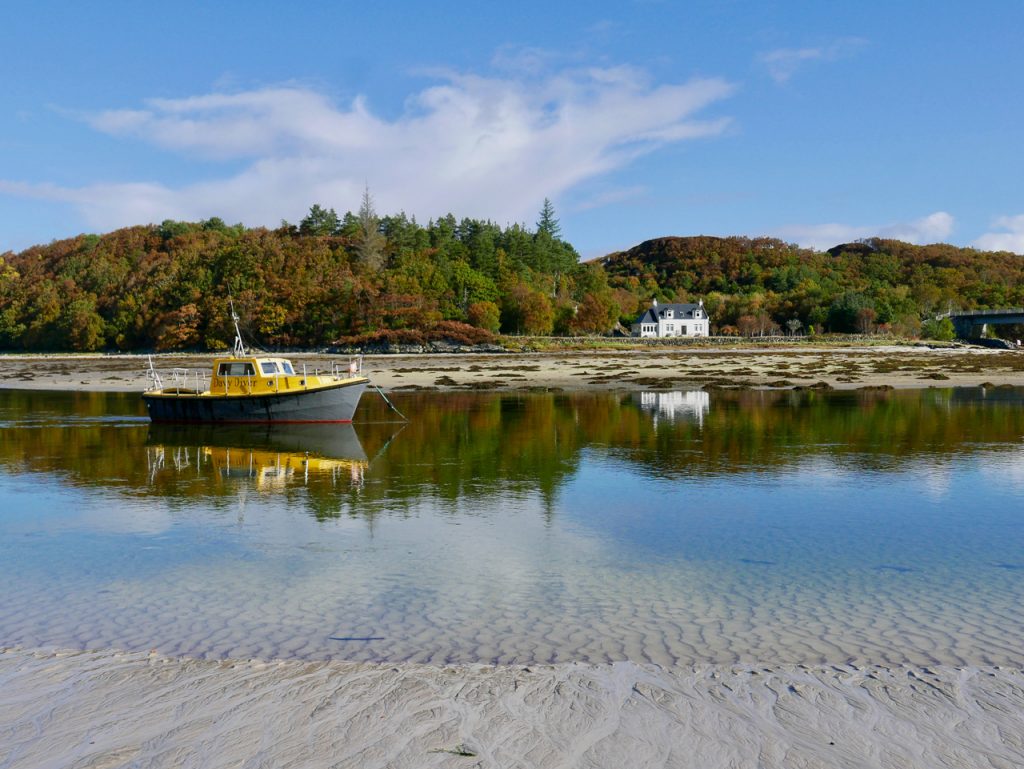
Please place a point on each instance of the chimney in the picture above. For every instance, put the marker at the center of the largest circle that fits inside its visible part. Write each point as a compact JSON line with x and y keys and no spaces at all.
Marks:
{"x":655,"y":304}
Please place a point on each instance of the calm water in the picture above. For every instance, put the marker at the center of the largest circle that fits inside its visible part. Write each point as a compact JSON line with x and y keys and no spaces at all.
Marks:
{"x":664,"y":527}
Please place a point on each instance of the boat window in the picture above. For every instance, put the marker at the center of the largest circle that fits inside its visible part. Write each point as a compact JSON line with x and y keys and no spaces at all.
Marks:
{"x":287,"y":367}
{"x":236,"y":369}
{"x":268,"y":366}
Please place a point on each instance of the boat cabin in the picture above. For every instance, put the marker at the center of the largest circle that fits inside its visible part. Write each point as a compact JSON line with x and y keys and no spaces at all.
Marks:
{"x":254,"y":376}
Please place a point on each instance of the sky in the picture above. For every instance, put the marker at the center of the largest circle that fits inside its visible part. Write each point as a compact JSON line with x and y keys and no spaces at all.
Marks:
{"x":818,"y":123}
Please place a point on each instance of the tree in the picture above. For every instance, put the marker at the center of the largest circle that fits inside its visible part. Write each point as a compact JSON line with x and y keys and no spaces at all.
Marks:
{"x":527,"y":311}
{"x":866,"y":320}
{"x":320,"y":222}
{"x":547,"y":222}
{"x":370,"y":242}
{"x":484,"y":315}
{"x":845,"y":313}
{"x":941,"y":329}
{"x":596,"y":314}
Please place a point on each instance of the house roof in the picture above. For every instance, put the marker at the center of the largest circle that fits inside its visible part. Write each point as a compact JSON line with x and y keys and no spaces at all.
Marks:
{"x":684,"y":311}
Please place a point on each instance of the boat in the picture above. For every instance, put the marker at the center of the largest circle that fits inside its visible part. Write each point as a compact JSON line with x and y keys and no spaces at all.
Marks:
{"x":251,"y":389}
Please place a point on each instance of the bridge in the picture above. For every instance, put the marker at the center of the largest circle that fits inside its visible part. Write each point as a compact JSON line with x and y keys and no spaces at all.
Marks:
{"x":973,"y":324}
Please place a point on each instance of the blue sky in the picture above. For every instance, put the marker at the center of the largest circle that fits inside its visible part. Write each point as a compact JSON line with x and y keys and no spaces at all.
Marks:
{"x":814,"y":122}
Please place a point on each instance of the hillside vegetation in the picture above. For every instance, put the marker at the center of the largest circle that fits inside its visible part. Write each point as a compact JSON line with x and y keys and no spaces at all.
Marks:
{"x":166,"y":286}
{"x":758,"y":285}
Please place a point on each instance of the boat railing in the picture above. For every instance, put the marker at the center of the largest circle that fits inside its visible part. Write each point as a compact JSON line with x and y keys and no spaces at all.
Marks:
{"x":189,"y":378}
{"x":341,"y":370}
{"x":156,"y":382}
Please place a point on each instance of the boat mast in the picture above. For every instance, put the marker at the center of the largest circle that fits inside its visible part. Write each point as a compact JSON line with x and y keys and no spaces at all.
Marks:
{"x":239,"y":351}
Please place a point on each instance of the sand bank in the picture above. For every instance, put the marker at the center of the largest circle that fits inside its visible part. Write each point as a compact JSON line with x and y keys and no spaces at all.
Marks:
{"x":647,"y":369}
{"x":110,"y":709}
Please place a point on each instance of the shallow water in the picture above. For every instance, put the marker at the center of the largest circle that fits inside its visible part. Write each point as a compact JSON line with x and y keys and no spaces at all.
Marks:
{"x":771,"y":527}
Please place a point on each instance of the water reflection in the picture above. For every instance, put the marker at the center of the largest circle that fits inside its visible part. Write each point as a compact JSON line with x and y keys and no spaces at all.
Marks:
{"x":689,"y":405}
{"x":267,"y":457}
{"x":462,"y":446}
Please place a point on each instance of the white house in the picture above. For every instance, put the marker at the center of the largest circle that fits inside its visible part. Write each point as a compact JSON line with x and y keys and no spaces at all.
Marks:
{"x":673,"y":320}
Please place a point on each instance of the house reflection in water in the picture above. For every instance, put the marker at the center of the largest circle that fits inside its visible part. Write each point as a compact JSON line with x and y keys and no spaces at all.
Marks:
{"x":690,"y":405}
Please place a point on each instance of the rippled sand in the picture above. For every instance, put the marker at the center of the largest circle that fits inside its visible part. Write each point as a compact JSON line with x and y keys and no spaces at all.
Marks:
{"x":108,"y":708}
{"x":499,"y":594}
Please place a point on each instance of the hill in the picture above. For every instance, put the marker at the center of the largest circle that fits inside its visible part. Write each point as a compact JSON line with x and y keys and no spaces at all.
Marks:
{"x":852,"y":287}
{"x":165,"y":287}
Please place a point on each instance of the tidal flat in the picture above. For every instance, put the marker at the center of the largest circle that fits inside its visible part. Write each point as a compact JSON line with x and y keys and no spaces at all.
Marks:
{"x":659,"y":577}
{"x":777,"y":366}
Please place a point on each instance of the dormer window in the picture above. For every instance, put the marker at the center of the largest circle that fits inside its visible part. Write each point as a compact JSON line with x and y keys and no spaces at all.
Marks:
{"x":668,"y":313}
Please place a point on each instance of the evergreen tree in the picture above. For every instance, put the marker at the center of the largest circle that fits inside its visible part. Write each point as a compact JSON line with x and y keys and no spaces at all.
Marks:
{"x":547,"y":222}
{"x":320,"y":222}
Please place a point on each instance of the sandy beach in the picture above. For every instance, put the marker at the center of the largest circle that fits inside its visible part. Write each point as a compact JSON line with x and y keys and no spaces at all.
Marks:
{"x":107,"y":709}
{"x":649,"y":369}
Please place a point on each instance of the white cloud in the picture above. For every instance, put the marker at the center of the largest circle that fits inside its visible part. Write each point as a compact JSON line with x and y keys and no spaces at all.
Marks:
{"x":933,"y":228}
{"x":490,"y":147}
{"x":782,"y":63}
{"x":1010,"y":240}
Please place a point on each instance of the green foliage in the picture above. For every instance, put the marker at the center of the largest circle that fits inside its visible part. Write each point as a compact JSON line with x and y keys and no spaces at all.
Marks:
{"x":941,"y":329}
{"x":547,"y":223}
{"x":846,"y":312}
{"x":320,"y":221}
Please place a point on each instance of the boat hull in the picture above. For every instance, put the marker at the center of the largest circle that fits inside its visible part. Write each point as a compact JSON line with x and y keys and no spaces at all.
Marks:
{"x":335,"y":403}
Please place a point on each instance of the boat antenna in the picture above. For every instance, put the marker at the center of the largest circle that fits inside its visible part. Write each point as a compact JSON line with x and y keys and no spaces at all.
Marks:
{"x":239,"y":351}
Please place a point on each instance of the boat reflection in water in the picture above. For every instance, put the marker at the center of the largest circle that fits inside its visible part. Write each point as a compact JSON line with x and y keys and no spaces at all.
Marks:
{"x":689,"y":405}
{"x":271,"y":458}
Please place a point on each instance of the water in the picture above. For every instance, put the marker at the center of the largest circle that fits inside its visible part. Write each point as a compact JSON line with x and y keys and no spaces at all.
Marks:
{"x":674,"y":528}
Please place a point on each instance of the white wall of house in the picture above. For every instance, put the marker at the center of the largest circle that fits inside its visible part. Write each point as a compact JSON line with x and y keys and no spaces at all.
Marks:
{"x":669,"y":322}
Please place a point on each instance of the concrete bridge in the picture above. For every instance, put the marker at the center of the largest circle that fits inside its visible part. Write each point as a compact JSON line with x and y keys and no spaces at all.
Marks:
{"x":973,"y":324}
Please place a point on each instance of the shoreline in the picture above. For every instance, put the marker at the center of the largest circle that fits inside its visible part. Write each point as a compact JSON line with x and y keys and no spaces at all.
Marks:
{"x":112,"y":708}
{"x":850,"y":368}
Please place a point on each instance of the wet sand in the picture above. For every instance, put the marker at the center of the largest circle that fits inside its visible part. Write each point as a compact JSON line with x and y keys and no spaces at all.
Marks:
{"x":649,"y":369}
{"x":110,"y":709}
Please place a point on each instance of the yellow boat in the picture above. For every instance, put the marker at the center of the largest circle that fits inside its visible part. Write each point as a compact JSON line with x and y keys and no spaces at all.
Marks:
{"x":244,"y":388}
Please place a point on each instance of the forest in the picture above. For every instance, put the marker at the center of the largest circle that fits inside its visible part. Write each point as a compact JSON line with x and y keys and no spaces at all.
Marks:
{"x":760,"y":286}
{"x":334,"y":278}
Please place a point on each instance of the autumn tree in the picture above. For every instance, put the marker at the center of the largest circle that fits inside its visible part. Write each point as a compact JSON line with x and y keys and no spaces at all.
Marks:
{"x":484,"y":315}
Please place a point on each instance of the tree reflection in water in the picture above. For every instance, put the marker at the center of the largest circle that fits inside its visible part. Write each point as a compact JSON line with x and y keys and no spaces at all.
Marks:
{"x":465,"y":446}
